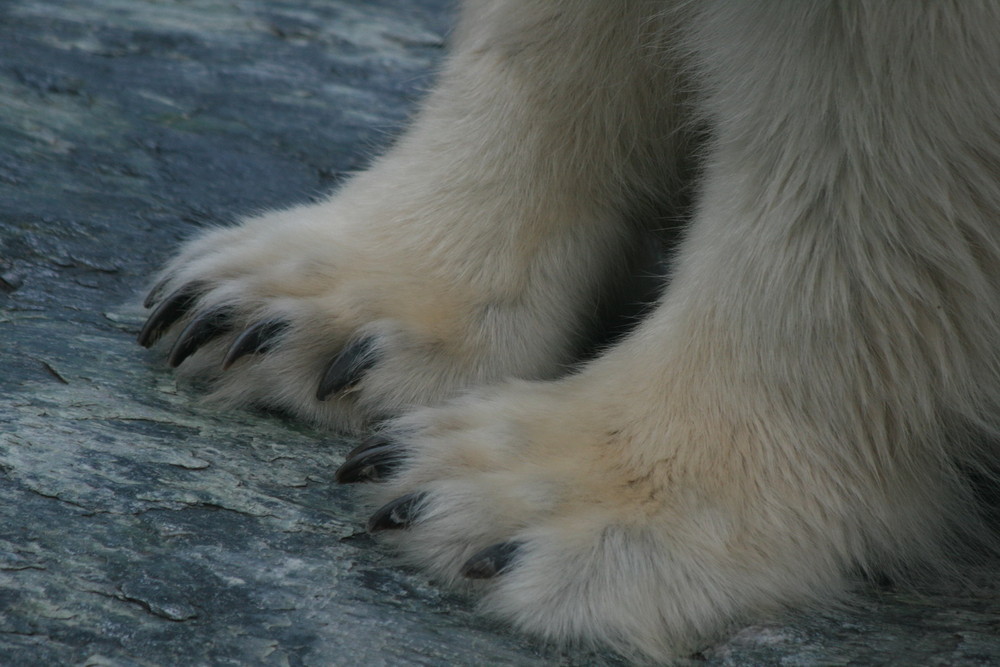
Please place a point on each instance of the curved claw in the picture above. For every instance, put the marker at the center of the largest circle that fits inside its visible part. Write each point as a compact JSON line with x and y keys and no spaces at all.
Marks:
{"x":201,"y":329}
{"x":257,"y":338}
{"x":400,"y":513}
{"x":371,"y":463}
{"x":371,"y":442}
{"x":491,"y":561}
{"x":346,"y":369}
{"x":154,"y":293}
{"x":171,"y":309}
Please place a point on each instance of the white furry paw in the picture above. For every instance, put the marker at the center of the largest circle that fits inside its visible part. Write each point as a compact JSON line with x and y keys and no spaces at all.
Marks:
{"x":342,"y":323}
{"x":524,"y":495}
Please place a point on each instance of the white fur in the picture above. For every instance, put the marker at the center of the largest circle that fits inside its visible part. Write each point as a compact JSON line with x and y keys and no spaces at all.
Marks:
{"x":803,"y":399}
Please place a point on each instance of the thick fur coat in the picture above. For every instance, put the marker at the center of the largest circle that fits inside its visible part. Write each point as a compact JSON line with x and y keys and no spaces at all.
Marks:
{"x":805,"y":399}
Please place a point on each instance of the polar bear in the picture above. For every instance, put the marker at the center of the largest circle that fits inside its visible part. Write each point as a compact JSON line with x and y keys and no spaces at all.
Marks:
{"x":802,"y":402}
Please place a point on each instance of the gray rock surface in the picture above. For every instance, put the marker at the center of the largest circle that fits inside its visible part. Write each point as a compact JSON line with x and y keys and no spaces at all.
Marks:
{"x":139,"y":526}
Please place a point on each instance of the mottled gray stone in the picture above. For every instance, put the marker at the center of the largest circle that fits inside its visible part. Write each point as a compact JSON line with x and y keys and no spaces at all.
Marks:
{"x":139,"y":526}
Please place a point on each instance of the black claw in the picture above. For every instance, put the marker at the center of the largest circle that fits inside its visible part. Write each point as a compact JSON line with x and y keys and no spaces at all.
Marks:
{"x":202,"y":329}
{"x":257,"y":338}
{"x":371,"y":442}
{"x":491,"y":561}
{"x":346,"y":370}
{"x":154,"y":293}
{"x":169,"y":311}
{"x":400,"y":513}
{"x":373,"y":463}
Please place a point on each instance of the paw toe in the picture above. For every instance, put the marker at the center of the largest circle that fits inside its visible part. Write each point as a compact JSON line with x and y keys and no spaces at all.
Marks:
{"x":347,"y":368}
{"x":402,"y":512}
{"x":255,"y":339}
{"x":371,"y":462}
{"x":491,"y":561}
{"x":170,"y":309}
{"x":203,"y":328}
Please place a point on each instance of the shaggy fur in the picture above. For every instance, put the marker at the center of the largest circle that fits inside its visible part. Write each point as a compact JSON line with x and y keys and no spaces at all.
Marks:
{"x":803,"y":401}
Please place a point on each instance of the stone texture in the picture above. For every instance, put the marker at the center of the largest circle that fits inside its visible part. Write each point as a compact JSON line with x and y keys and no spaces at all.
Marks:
{"x":139,"y":526}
